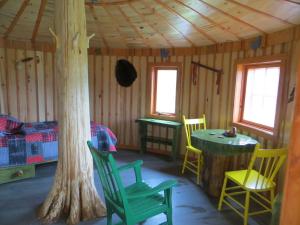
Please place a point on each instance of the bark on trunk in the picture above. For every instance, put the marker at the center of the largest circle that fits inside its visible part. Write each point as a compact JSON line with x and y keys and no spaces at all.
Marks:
{"x":73,"y":193}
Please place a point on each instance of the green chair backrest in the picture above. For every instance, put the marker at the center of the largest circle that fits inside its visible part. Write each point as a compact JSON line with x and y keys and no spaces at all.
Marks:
{"x":111,"y":182}
{"x":191,"y":125}
{"x":267,"y":163}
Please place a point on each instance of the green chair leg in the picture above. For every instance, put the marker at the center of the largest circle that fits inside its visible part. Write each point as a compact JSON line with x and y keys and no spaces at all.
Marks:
{"x":168,"y":194}
{"x":109,"y":216}
{"x":169,"y":218}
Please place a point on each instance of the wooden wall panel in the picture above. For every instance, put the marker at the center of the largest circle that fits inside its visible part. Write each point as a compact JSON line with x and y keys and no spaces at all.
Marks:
{"x":22,"y":86}
{"x":40,"y":86}
{"x":3,"y":91}
{"x":27,"y":90}
{"x":48,"y":86}
{"x":31,"y":87}
{"x":12,"y":91}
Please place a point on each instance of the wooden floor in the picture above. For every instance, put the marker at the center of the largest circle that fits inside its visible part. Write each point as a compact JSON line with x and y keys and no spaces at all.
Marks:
{"x":19,"y":200}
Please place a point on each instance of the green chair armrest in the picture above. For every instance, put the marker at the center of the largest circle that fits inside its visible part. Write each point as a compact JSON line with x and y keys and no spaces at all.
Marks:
{"x":136,"y":165}
{"x":161,"y":187}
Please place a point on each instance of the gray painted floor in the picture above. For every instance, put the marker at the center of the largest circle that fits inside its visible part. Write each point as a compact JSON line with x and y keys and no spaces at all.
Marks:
{"x":19,"y":200}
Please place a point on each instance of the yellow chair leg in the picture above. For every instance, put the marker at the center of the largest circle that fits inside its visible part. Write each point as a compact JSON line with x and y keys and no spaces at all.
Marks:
{"x":198,"y":168}
{"x":222,"y":194}
{"x":272,"y":198}
{"x":246,"y":212}
{"x":185,"y":160}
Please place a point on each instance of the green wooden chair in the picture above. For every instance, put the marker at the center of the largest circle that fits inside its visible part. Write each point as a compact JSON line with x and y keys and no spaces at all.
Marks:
{"x":134,"y":203}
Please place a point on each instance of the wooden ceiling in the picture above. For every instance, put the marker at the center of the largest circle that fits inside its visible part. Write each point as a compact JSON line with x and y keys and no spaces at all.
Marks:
{"x":154,"y":23}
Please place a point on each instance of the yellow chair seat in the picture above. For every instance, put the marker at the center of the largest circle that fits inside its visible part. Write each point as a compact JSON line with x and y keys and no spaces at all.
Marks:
{"x":255,"y":180}
{"x":259,"y":177}
{"x":196,"y":150}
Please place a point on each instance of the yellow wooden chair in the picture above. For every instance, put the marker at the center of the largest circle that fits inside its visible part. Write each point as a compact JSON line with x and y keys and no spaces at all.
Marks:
{"x":194,"y":165}
{"x":258,"y":178}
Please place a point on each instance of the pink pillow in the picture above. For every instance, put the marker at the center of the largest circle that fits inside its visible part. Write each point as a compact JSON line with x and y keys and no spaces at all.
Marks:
{"x":9,"y":125}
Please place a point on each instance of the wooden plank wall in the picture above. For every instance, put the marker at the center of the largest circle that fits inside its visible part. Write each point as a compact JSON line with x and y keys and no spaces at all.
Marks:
{"x":27,"y":89}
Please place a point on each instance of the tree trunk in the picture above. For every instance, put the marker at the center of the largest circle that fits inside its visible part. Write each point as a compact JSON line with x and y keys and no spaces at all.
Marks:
{"x":73,"y":193}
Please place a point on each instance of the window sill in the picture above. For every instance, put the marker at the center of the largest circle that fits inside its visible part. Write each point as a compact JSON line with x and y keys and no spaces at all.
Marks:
{"x":256,"y":130}
{"x":163,"y":116}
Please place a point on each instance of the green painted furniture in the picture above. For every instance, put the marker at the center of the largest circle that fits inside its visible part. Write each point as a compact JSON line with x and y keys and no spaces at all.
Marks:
{"x":14,"y":173}
{"x":221,"y":154}
{"x":212,"y":140}
{"x":144,"y":137}
{"x":134,"y":203}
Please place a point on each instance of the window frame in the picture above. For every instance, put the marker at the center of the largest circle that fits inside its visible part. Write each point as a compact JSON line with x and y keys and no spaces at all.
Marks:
{"x":242,"y":67}
{"x":154,"y":67}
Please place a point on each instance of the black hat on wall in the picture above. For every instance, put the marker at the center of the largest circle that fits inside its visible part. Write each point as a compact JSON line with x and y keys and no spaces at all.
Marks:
{"x":125,"y":73}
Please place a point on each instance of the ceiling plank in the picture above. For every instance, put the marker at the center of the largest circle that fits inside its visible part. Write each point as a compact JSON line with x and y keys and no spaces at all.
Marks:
{"x":172,"y":26}
{"x":233,"y":17}
{"x":144,"y":19}
{"x":210,"y":20}
{"x":187,"y":20}
{"x":38,"y":20}
{"x":260,"y":12}
{"x":16,"y":18}
{"x":2,"y":3}
{"x":116,"y":25}
{"x":96,"y":22}
{"x":146,"y":42}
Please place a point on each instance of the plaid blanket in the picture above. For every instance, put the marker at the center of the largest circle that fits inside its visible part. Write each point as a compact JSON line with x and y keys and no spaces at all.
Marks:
{"x":37,"y":143}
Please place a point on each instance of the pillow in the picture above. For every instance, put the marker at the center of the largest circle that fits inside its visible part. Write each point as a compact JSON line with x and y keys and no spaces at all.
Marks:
{"x":10,"y":125}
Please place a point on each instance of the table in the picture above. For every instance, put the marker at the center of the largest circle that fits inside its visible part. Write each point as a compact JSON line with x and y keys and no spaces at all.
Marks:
{"x":221,"y":154}
{"x":144,"y":137}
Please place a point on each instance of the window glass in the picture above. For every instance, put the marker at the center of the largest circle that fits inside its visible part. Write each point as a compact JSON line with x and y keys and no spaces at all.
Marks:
{"x":166,"y":80}
{"x":261,"y":90}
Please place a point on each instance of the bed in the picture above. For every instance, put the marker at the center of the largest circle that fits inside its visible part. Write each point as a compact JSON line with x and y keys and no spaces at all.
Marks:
{"x":35,"y":143}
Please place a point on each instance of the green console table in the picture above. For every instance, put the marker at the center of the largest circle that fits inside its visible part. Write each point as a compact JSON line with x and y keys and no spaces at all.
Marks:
{"x":144,"y":137}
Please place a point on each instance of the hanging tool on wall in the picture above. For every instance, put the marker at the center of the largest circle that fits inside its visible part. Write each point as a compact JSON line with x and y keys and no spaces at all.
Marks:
{"x":219,"y":72}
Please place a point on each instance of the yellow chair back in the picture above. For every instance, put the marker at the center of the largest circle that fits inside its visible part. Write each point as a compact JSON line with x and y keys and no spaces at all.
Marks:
{"x":266,"y":164}
{"x":192,"y":125}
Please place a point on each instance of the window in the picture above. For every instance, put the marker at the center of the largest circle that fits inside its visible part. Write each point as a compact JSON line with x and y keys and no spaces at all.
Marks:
{"x":258,"y":95}
{"x":164,"y":90}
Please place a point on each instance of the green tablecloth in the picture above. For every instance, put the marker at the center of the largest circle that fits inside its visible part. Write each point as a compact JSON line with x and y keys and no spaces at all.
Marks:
{"x":212,"y":140}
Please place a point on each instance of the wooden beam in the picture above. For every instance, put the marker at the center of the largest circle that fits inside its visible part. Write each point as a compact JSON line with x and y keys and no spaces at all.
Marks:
{"x":98,"y":26}
{"x":291,"y":204}
{"x":291,"y":1}
{"x":187,"y":20}
{"x":233,"y":17}
{"x":106,"y":3}
{"x":38,"y":20}
{"x":144,"y":19}
{"x":2,"y":3}
{"x":172,"y":26}
{"x":209,"y":20}
{"x":16,"y":18}
{"x":276,"y":38}
{"x":260,"y":12}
